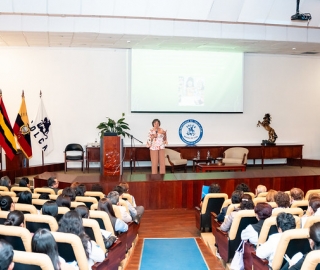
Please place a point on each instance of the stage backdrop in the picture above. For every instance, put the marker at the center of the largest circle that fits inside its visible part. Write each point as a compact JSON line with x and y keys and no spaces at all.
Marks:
{"x":82,"y":86}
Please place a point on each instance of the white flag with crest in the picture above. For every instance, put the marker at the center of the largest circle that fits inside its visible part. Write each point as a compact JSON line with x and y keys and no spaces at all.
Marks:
{"x":42,"y":130}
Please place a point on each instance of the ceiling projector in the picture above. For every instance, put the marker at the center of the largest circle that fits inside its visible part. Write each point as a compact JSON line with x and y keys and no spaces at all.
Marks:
{"x":301,"y":16}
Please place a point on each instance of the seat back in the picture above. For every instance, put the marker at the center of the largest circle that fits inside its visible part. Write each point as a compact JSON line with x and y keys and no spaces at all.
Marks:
{"x":31,"y":261}
{"x":88,"y":201}
{"x":71,"y":249}
{"x":236,"y":155}
{"x":3,"y":188}
{"x":8,"y":193}
{"x":124,"y":204}
{"x":231,"y":208}
{"x":312,"y":260}
{"x":3,"y":216}
{"x":53,"y":197}
{"x":18,"y":237}
{"x":311,"y":191}
{"x":309,"y":221}
{"x":38,"y":203}
{"x":225,"y":204}
{"x":44,"y":190}
{"x":35,"y":222}
{"x":26,"y":208}
{"x":262,"y":194}
{"x":259,"y":200}
{"x":269,"y":227}
{"x":74,"y":147}
{"x":128,"y":197}
{"x":291,"y":241}
{"x":241,"y":220}
{"x":97,"y":194}
{"x":19,"y":189}
{"x":293,"y":211}
{"x":304,"y":204}
{"x":251,"y":194}
{"x":35,"y":195}
{"x":92,"y":229}
{"x":103,"y":220}
{"x":61,"y":211}
{"x":73,"y":205}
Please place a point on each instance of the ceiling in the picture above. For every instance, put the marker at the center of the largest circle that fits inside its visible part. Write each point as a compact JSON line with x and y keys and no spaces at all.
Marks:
{"x":250,"y":26}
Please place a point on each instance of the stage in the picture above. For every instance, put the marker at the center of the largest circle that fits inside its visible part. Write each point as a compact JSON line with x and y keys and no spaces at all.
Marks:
{"x":183,"y":190}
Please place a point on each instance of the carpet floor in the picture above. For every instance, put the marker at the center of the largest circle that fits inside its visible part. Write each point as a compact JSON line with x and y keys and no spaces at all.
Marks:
{"x":171,"y":253}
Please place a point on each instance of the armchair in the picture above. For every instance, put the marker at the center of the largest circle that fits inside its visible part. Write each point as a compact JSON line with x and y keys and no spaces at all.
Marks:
{"x":237,"y":155}
{"x":78,"y":155}
{"x":174,"y":160}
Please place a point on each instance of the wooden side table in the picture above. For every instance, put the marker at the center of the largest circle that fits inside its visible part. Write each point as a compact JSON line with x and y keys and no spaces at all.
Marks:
{"x":93,"y":155}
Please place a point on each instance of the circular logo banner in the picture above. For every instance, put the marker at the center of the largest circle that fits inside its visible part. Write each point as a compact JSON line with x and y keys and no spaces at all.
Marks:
{"x":190,"y":132}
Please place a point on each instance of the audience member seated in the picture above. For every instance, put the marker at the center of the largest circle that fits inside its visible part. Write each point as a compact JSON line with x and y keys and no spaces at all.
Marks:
{"x":214,"y":188}
{"x":235,"y":198}
{"x":71,"y":222}
{"x":24,"y":182}
{"x":314,"y":245}
{"x":243,"y":187}
{"x":68,"y":191}
{"x":53,"y":183}
{"x":5,"y":182}
{"x":6,"y":255}
{"x":80,"y":190}
{"x":296,"y":194}
{"x":43,"y":242}
{"x":118,"y":225}
{"x":285,"y":221}
{"x":6,"y":203}
{"x":271,"y":195}
{"x":74,"y":184}
{"x":114,"y":198}
{"x":263,"y":211}
{"x":97,"y":187}
{"x":125,"y":186}
{"x":135,"y":212}
{"x":260,"y":189}
{"x":50,"y":208}
{"x":246,"y":204}
{"x":313,"y":210}
{"x":63,"y":200}
{"x":44,"y":196}
{"x":15,"y":218}
{"x":282,"y":200}
{"x":25,"y":197}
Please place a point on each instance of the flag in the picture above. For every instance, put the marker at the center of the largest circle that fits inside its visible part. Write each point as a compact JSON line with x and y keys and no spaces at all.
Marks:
{"x":7,"y":140}
{"x":21,"y":129}
{"x":41,"y":129}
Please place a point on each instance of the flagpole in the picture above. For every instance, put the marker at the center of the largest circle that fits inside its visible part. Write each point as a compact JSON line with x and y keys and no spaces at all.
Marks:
{"x":42,"y":150}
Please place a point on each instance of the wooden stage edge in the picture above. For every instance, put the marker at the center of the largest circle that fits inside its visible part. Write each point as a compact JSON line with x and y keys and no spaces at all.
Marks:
{"x":183,"y":190}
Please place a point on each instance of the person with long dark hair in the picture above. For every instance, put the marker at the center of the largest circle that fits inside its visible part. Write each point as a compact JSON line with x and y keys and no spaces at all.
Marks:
{"x":15,"y":218}
{"x":6,"y":203}
{"x":25,"y":197}
{"x":71,"y":222}
{"x":50,"y":208}
{"x":43,"y":242}
{"x":118,"y":225}
{"x":6,"y":255}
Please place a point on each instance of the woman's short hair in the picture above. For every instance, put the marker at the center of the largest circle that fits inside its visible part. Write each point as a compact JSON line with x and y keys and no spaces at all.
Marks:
{"x":63,"y":200}
{"x":125,"y":186}
{"x":50,"y":208}
{"x":80,"y":190}
{"x":297,"y":194}
{"x":15,"y":218}
{"x":236,"y":196}
{"x":5,"y":181}
{"x":246,"y":202}
{"x":24,"y":182}
{"x":68,"y":191}
{"x":214,"y":188}
{"x":83,"y":211}
{"x":314,"y":204}
{"x":25,"y":197}
{"x":271,"y":195}
{"x":5,"y":203}
{"x":243,"y":187}
{"x":156,"y":120}
{"x":43,"y":242}
{"x":6,"y":254}
{"x":314,"y":233}
{"x":282,"y":199}
{"x":263,"y":210}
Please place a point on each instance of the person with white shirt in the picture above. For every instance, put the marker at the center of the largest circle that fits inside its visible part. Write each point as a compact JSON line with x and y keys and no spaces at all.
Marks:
{"x":113,"y":196}
{"x":285,"y":221}
{"x":313,"y":210}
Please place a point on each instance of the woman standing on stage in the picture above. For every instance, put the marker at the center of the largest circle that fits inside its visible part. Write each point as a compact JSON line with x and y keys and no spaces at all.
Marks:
{"x":157,"y":139}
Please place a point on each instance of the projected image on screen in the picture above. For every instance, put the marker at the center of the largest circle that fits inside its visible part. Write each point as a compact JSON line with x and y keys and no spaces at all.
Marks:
{"x":191,"y":91}
{"x":186,"y":81}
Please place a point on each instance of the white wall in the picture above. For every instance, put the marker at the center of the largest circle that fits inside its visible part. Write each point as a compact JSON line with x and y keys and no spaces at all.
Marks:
{"x":82,"y":86}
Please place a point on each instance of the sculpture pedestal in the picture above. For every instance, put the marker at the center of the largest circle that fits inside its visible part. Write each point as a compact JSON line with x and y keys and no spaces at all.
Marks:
{"x":111,"y":155}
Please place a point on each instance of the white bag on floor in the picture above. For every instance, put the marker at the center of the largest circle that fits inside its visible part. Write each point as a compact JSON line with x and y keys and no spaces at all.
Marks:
{"x":237,"y":261}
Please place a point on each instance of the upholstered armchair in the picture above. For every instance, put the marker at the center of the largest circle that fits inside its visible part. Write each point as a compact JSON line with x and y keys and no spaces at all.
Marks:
{"x":174,"y":160}
{"x":237,"y":155}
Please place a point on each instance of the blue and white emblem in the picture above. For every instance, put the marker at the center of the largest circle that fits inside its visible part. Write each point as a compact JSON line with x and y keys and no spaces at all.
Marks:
{"x":190,"y":132}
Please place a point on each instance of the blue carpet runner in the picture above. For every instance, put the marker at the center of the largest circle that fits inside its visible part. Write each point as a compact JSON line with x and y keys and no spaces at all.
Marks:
{"x":171,"y":253}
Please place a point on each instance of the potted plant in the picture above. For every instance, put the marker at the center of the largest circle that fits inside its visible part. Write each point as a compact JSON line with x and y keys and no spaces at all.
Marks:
{"x":114,"y":128}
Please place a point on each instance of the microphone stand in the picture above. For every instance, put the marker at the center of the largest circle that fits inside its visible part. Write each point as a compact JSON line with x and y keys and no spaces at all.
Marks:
{"x":131,"y":158}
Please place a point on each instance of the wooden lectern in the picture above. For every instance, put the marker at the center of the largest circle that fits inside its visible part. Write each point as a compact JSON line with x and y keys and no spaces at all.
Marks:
{"x":111,"y":155}
{"x":18,"y":162}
